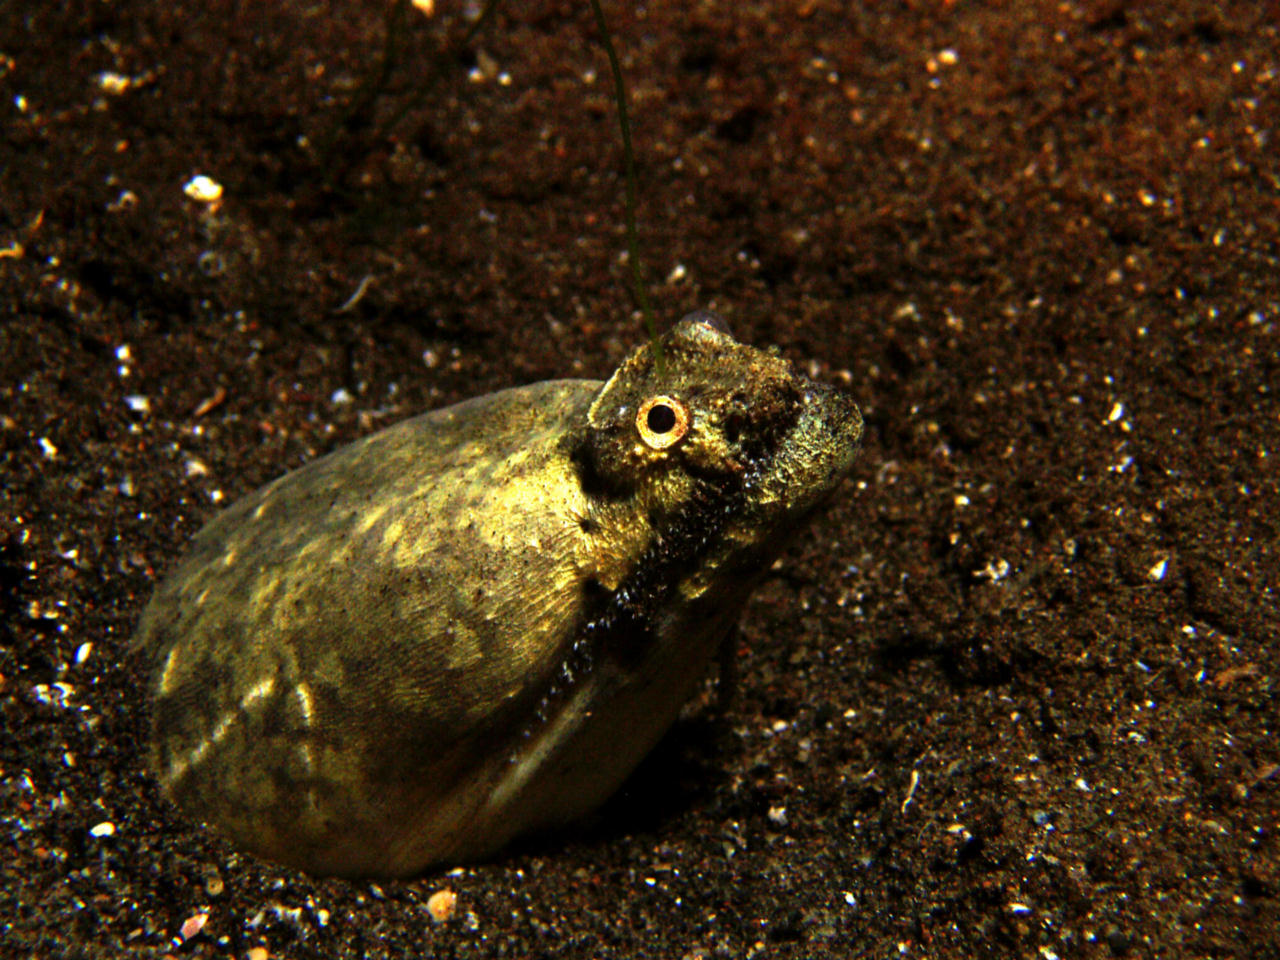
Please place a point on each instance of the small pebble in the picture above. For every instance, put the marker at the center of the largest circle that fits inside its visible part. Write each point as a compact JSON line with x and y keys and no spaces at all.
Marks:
{"x":441,"y":905}
{"x":192,"y":926}
{"x":210,"y":402}
{"x":203,"y":189}
{"x":113,"y":83}
{"x":104,"y":829}
{"x":53,"y":694}
{"x":214,"y":885}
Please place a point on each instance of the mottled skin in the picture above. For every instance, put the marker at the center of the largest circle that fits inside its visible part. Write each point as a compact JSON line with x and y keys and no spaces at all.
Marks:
{"x":476,"y":622}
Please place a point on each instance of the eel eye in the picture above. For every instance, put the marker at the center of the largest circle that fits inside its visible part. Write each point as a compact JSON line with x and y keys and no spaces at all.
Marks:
{"x":662,"y":421}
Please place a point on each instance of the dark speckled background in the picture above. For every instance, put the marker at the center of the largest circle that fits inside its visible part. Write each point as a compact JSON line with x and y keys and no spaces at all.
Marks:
{"x":1015,"y":696}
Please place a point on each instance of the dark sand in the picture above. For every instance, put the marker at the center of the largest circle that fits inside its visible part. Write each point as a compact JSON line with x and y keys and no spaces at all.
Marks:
{"x":1015,"y":696}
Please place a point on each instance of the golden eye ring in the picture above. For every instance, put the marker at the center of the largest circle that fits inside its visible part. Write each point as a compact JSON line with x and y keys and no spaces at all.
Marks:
{"x":662,"y":421}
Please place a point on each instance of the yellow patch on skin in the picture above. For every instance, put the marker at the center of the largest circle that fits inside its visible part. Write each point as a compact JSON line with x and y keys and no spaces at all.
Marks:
{"x":167,"y":677}
{"x":694,"y":587}
{"x":516,"y":459}
{"x":404,"y":551}
{"x":393,"y":539}
{"x":306,"y":703}
{"x":307,"y":708}
{"x":263,"y":688}
{"x":265,"y":592}
{"x":372,"y":516}
{"x":178,"y":766}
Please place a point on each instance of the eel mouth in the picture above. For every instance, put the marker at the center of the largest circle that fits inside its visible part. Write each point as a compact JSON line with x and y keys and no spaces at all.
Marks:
{"x":818,"y":452}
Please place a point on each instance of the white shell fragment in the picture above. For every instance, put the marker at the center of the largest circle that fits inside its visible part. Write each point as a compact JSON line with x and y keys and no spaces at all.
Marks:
{"x":203,"y":189}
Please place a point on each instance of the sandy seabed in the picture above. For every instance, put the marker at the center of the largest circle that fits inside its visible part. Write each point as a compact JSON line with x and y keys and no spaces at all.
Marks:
{"x":1015,"y":695}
